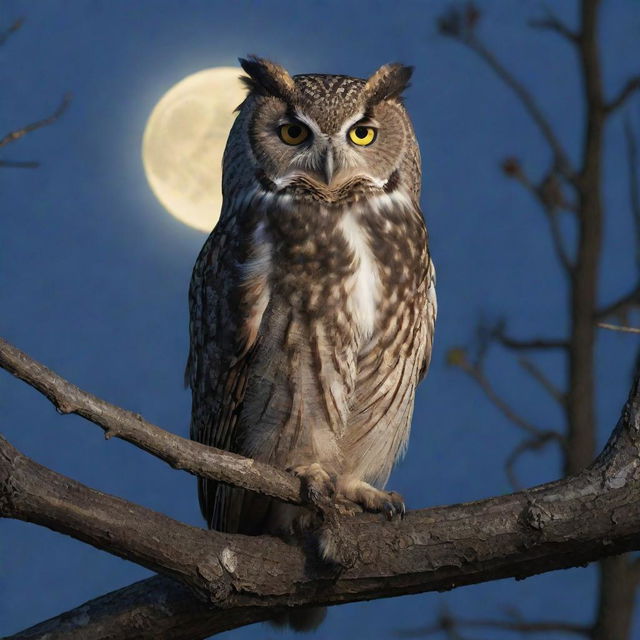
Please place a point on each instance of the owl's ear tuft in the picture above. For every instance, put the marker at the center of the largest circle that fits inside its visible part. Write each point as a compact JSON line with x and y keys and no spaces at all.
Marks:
{"x":267,"y":78}
{"x":388,"y":82}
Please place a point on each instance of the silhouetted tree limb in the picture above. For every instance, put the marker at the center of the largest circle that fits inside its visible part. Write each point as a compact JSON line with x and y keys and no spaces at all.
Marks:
{"x":631,"y":86}
{"x":617,"y":578}
{"x":16,"y":134}
{"x":5,"y":34}
{"x":461,"y":25}
{"x":451,"y":624}
{"x":552,"y":23}
{"x":564,"y":523}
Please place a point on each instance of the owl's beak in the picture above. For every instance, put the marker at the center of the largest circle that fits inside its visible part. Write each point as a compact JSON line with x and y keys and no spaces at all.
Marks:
{"x":328,"y":166}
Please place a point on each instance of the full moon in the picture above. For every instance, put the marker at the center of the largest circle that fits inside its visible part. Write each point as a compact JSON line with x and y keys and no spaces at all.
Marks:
{"x":184,"y":140}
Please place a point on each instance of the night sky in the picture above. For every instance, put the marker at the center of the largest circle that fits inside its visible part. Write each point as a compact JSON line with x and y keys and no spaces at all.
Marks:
{"x":94,"y":273}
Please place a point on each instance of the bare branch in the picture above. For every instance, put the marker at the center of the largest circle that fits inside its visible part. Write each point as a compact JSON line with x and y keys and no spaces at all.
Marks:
{"x":8,"y":32}
{"x":617,"y":327}
{"x":634,"y":183}
{"x":448,"y":622}
{"x":516,"y":344}
{"x":12,"y":136}
{"x":552,"y":23}
{"x":19,"y":164}
{"x":458,"y":26}
{"x":458,"y":357}
{"x":534,"y":443}
{"x":631,"y":86}
{"x":621,"y":306}
{"x":534,"y":371}
{"x":551,"y":198}
{"x":556,"y":525}
{"x":180,"y":453}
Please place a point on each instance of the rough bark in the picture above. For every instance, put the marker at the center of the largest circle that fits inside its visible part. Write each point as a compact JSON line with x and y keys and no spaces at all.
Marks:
{"x":180,"y":453}
{"x":561,"y":524}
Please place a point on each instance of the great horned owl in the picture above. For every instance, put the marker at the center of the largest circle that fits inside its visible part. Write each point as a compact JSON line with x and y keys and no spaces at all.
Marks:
{"x":313,"y":300}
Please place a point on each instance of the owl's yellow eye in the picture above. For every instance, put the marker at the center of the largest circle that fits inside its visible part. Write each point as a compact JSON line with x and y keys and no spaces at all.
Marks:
{"x":293,"y":133}
{"x":361,"y":135}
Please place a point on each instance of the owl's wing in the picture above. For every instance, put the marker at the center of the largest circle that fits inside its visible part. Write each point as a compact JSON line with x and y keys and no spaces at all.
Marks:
{"x":430,"y":314}
{"x":220,"y":349}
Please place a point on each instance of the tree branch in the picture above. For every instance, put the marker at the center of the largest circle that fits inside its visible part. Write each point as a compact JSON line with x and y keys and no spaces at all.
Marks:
{"x":620,"y":306}
{"x":180,"y":453}
{"x":559,"y":524}
{"x":462,"y":26}
{"x":19,"y":164}
{"x":9,"y":31}
{"x":458,"y":357}
{"x":534,"y":371}
{"x":549,"y":195}
{"x":12,"y":136}
{"x":447,"y":623}
{"x":517,"y":344}
{"x":631,"y":86}
{"x":552,"y":23}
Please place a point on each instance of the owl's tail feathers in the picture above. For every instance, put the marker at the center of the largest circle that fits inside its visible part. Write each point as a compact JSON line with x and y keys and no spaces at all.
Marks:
{"x":300,"y":619}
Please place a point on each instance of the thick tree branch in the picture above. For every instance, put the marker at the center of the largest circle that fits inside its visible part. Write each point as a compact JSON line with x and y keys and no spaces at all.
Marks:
{"x":154,"y":608}
{"x":560,"y":524}
{"x":180,"y":453}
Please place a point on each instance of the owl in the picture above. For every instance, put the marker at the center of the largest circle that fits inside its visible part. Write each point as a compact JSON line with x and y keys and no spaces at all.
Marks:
{"x":312,"y":302}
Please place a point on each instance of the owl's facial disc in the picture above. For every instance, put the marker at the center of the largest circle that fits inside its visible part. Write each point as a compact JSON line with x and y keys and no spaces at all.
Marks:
{"x":317,"y":159}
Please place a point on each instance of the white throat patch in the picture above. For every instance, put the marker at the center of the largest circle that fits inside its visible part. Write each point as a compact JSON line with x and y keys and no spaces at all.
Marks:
{"x":363,"y":286}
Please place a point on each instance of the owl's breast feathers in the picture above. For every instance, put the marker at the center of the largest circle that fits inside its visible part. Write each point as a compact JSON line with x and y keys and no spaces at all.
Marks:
{"x":311,"y":324}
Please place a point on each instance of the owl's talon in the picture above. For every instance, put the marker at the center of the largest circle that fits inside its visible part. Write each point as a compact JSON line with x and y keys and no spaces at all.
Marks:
{"x":389,"y":510}
{"x":317,"y":484}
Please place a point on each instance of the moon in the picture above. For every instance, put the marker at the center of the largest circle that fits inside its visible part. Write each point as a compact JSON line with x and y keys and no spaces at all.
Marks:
{"x":184,"y":140}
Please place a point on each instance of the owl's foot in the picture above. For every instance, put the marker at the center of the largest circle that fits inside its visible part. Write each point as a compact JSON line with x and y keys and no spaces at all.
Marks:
{"x":371,"y":499}
{"x":317,"y":484}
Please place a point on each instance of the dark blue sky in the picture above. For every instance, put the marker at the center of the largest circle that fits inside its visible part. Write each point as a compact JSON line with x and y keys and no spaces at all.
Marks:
{"x":94,"y":273}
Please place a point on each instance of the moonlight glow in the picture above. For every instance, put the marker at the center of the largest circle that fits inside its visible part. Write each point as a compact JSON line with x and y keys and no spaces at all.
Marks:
{"x":184,"y":140}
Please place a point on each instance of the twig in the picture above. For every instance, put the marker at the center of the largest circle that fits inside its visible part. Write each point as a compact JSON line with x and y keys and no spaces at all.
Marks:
{"x":452,"y":623}
{"x":534,"y":371}
{"x":19,"y":164}
{"x":630,"y":87}
{"x":543,"y":344}
{"x":9,"y":31}
{"x":549,"y":195}
{"x":621,"y":305}
{"x":535,"y":443}
{"x":477,"y":374}
{"x":552,"y":23}
{"x":634,"y":184}
{"x":561,"y":160}
{"x":617,"y":327}
{"x":180,"y":453}
{"x":12,"y":136}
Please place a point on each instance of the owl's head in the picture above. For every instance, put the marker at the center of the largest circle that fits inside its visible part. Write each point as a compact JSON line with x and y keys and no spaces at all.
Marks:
{"x":328,"y":132}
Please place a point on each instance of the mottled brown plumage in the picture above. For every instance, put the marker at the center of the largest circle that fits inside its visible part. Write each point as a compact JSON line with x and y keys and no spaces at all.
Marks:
{"x":313,"y":300}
